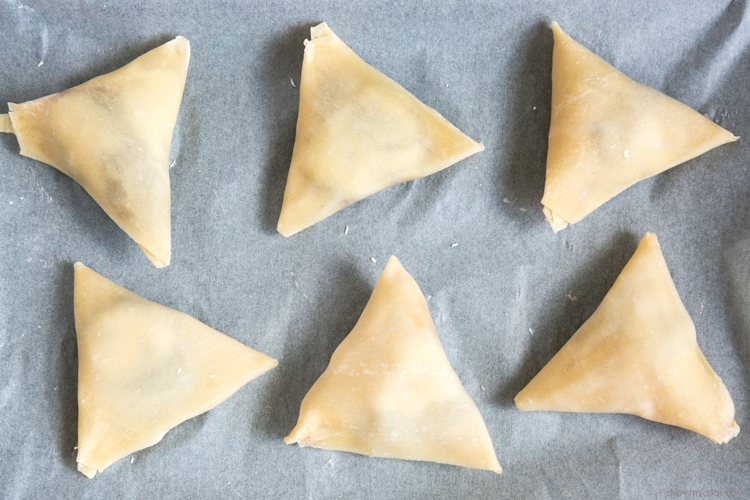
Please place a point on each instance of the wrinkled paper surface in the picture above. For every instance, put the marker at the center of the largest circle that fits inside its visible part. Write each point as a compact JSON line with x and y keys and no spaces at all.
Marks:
{"x":504,"y":291}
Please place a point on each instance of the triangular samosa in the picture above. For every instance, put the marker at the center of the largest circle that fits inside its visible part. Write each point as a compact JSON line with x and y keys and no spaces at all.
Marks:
{"x":112,"y":134}
{"x":608,"y":132}
{"x":390,"y":391}
{"x":637,"y":354}
{"x":358,"y":132}
{"x":144,"y":368}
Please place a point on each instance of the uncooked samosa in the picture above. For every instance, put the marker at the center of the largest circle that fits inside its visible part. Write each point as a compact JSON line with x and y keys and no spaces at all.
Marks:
{"x":144,"y":368}
{"x":112,"y":134}
{"x":390,"y":391}
{"x":358,"y":132}
{"x":608,"y":132}
{"x":637,"y":354}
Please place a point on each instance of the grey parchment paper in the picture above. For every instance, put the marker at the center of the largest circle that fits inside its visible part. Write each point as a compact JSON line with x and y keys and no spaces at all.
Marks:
{"x":504,"y":291}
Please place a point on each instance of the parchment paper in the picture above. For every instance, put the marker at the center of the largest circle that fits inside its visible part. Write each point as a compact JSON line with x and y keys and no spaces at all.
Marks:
{"x":504,"y":299}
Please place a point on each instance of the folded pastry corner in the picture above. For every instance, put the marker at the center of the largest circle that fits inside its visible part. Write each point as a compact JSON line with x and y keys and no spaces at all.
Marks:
{"x":608,"y":132}
{"x":390,"y":391}
{"x":6,"y":125}
{"x":637,"y":354}
{"x":144,"y":368}
{"x":358,"y":132}
{"x":556,"y":222}
{"x":112,"y":134}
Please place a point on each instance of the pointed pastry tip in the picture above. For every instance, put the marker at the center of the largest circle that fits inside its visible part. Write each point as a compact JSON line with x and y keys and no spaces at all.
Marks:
{"x":319,"y":31}
{"x":732,"y":432}
{"x":556,"y":222}
{"x":6,"y":126}
{"x":87,"y":471}
{"x":393,"y":268}
{"x":158,"y":262}
{"x":283,"y":230}
{"x":556,"y":29}
{"x":472,"y":147}
{"x":523,"y":404}
{"x":292,"y":438}
{"x":650,"y":238}
{"x":393,"y":262}
{"x":180,"y":45}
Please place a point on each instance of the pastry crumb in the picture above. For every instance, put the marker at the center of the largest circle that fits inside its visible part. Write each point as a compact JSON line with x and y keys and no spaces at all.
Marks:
{"x":454,"y":245}
{"x":572,"y":297}
{"x":292,"y":80}
{"x":481,"y":387}
{"x":346,"y":230}
{"x":531,"y":331}
{"x":373,"y":259}
{"x":216,"y":195}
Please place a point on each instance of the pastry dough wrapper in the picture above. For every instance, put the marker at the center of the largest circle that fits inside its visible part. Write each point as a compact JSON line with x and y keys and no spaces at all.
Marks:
{"x":112,"y":134}
{"x":608,"y":132}
{"x":144,"y":368}
{"x":637,"y":354}
{"x":390,"y":391}
{"x":358,"y":132}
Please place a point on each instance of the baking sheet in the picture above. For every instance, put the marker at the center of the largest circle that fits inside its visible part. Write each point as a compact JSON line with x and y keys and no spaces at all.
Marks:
{"x":504,"y":299}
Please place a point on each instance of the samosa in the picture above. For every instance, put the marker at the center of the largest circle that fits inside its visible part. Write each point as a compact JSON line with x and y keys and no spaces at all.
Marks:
{"x":608,"y":132}
{"x":358,"y":132}
{"x":144,"y":368}
{"x":390,"y":391}
{"x":637,"y":354}
{"x":112,"y":134}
